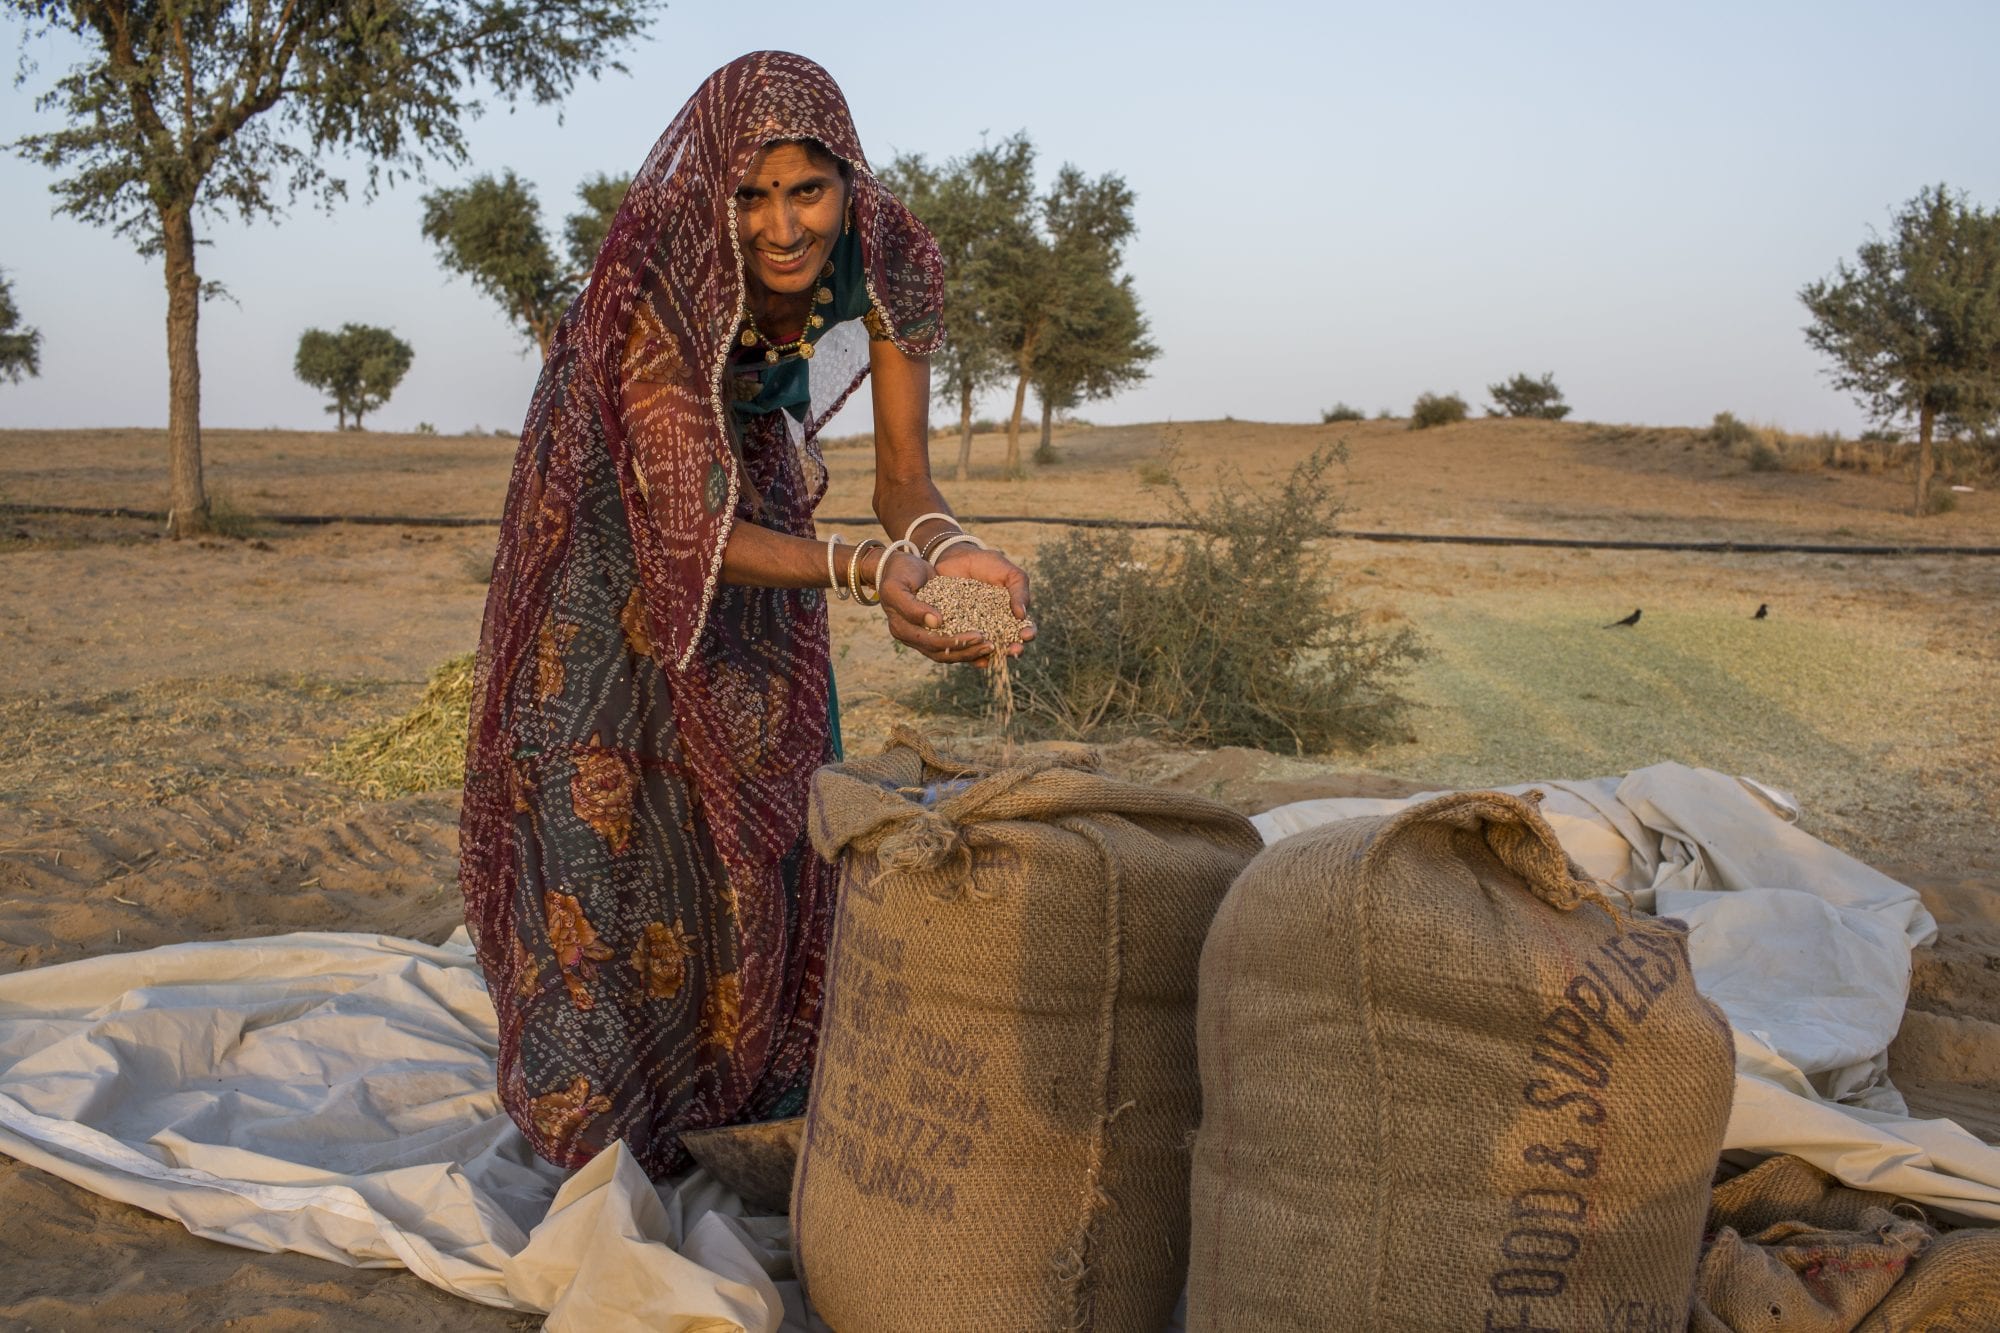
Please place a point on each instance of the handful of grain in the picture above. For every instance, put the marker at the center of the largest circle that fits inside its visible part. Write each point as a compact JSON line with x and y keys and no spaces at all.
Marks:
{"x":971,"y":607}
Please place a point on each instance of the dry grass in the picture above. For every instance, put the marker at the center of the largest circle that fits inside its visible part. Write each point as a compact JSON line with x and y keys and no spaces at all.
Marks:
{"x":423,"y":750}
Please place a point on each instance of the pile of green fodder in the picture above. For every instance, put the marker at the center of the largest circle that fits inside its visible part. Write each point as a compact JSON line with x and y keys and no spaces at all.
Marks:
{"x":1234,"y":634}
{"x":423,"y":750}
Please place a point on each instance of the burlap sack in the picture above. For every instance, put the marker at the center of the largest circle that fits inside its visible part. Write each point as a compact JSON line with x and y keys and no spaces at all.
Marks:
{"x":1798,"y":1278}
{"x":997,"y":1135}
{"x":1446,"y":1085}
{"x":1795,"y":1250}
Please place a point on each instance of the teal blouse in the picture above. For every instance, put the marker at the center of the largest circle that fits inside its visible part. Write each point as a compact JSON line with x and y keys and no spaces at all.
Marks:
{"x":758,"y":386}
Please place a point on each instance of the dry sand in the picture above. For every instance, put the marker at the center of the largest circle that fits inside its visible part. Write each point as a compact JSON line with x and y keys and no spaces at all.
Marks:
{"x":169,"y":707}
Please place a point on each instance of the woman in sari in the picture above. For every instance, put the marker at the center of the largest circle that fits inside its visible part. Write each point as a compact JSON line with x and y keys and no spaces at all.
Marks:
{"x":654,"y":689}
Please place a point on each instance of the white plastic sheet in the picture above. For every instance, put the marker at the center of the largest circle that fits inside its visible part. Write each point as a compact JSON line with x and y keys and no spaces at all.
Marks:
{"x":334,"y":1095}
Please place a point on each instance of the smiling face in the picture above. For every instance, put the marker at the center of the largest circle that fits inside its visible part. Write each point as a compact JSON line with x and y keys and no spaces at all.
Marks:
{"x":789,"y":212}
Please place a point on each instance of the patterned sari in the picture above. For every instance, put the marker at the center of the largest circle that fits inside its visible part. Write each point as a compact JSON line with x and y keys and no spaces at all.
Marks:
{"x":650,"y":918}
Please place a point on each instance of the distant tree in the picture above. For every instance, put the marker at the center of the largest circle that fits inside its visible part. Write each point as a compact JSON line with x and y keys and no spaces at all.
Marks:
{"x":1913,"y":325}
{"x":1432,"y":409}
{"x":358,"y":367}
{"x":1525,"y":396}
{"x":20,"y":349}
{"x":1096,"y":346}
{"x":584,"y":230}
{"x":1341,"y":412}
{"x":1044,"y":280}
{"x":236,"y":106}
{"x":490,"y":230}
{"x":980,"y":207}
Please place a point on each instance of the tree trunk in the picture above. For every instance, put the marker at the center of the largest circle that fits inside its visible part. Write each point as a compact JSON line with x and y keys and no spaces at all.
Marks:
{"x":187,"y":501}
{"x":1926,"y":417}
{"x":1045,"y":452}
{"x":1014,"y":426}
{"x":965,"y":429}
{"x":339,"y":414}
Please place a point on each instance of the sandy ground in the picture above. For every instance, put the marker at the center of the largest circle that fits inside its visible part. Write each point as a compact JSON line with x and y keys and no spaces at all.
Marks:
{"x":169,"y":707}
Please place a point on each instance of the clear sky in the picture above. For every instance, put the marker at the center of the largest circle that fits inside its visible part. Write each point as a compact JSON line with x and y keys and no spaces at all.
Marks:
{"x":1335,"y":202}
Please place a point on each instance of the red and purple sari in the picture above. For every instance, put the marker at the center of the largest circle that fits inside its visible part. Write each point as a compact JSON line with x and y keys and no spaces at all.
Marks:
{"x":651,"y":920}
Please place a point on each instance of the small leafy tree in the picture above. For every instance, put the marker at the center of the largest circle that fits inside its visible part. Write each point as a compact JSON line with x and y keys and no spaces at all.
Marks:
{"x":490,"y":230}
{"x":1913,"y":324}
{"x":980,"y":208}
{"x":20,"y":349}
{"x":1097,"y":345}
{"x":1525,"y":396}
{"x":1043,"y":280}
{"x":186,"y":108}
{"x":1340,"y":412}
{"x":358,"y":367}
{"x":1432,"y":409}
{"x":585,"y":229}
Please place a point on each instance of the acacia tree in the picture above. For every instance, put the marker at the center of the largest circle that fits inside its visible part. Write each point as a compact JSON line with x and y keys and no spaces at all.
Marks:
{"x":585,"y":229}
{"x":20,"y":349}
{"x":358,"y":367}
{"x":1526,"y":396}
{"x":977,"y":207}
{"x":209,"y":107}
{"x":1913,"y":325}
{"x":1042,"y":282}
{"x":1097,"y":345}
{"x":490,"y":230}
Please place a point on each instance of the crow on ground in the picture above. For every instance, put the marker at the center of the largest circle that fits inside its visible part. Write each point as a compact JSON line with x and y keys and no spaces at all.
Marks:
{"x":1632,"y":619}
{"x":1763,"y":610}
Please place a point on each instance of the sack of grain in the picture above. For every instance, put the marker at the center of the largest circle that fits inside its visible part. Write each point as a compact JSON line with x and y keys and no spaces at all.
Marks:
{"x":1791,"y":1248}
{"x":1446,"y":1085}
{"x":997,"y":1134}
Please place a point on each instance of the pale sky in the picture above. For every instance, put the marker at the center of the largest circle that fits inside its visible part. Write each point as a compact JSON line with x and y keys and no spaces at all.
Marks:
{"x":1335,"y":202}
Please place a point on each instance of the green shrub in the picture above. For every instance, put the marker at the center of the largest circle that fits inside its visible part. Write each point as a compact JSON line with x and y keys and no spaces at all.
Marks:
{"x":1526,"y":396}
{"x":228,"y":519}
{"x":1341,"y":412}
{"x":1432,"y":409}
{"x":1728,"y":433}
{"x":1764,"y":458}
{"x":1230,"y":635}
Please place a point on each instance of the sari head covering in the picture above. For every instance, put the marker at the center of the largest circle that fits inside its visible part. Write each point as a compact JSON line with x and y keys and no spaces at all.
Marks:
{"x":643,"y":737}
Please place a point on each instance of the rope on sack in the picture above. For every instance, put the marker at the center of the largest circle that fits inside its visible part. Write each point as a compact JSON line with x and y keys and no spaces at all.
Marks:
{"x":926,"y":842}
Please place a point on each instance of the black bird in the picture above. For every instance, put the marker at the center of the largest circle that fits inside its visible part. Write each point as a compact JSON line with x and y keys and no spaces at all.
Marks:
{"x":1763,"y":610}
{"x":1632,"y":619}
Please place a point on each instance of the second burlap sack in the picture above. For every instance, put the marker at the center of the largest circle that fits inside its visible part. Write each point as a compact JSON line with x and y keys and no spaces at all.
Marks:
{"x":997,"y":1134}
{"x":1447,"y":1085}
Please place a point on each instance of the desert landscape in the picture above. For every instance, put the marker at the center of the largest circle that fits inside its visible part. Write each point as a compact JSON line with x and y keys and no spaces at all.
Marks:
{"x":171,"y":707}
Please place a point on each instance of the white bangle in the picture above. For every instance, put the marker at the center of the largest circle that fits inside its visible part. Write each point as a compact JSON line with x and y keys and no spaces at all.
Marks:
{"x":832,"y":578}
{"x":955,"y":540}
{"x":920,"y":520}
{"x":902,"y":544}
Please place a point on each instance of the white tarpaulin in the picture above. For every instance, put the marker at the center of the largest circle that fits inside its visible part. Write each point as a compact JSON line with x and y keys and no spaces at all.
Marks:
{"x":334,"y":1094}
{"x":1806,"y":949}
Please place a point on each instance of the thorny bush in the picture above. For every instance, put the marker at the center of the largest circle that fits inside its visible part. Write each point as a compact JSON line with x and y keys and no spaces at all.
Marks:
{"x":1233,"y":635}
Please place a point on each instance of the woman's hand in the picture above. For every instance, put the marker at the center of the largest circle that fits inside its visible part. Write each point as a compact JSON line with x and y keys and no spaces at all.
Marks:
{"x":900,"y":582}
{"x":967,"y":561}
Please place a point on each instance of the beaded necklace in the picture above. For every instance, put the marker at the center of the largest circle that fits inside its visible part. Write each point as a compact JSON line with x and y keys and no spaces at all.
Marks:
{"x":752,"y":336}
